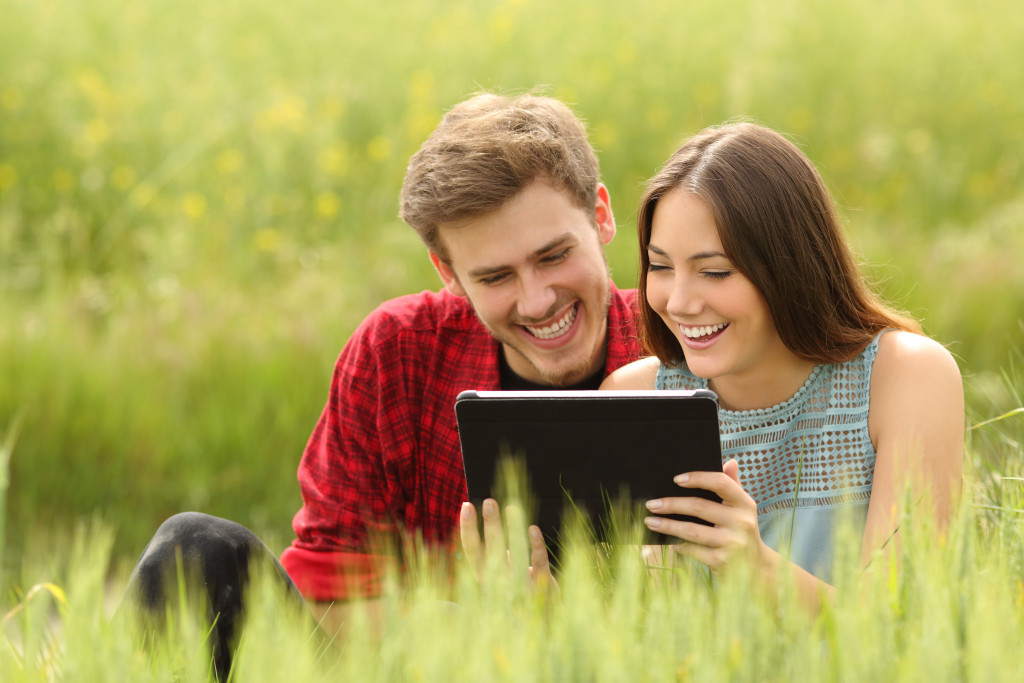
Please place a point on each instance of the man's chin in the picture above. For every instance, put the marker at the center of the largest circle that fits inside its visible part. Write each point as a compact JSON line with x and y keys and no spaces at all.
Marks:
{"x":543,"y":365}
{"x":561,"y":375}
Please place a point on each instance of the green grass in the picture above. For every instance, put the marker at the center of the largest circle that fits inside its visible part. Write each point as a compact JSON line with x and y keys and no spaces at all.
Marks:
{"x":940,"y":607}
{"x":198,"y":203}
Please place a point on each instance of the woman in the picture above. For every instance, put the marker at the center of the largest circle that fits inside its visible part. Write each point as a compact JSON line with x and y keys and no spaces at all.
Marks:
{"x":831,"y":403}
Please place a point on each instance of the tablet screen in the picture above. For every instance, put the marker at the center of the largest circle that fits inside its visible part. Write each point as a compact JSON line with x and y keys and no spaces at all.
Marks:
{"x":586,"y":448}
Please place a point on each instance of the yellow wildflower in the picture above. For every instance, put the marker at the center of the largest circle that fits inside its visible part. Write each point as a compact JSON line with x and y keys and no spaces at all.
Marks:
{"x":8,"y":176}
{"x":267,"y":239}
{"x":122,"y":177}
{"x":194,"y":205}
{"x":379,"y":148}
{"x":328,"y":204}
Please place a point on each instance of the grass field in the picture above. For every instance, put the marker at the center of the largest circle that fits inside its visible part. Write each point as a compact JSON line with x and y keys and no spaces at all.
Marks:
{"x":198,"y":203}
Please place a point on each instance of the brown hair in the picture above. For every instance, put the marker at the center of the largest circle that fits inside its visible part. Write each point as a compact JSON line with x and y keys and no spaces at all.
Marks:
{"x":485,"y":151}
{"x":780,"y":228}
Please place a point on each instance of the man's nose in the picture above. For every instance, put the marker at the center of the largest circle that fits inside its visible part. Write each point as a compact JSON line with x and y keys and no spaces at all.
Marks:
{"x":536,"y":298}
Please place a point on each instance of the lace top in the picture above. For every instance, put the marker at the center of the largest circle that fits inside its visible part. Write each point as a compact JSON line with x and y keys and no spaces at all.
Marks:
{"x":808,"y":462}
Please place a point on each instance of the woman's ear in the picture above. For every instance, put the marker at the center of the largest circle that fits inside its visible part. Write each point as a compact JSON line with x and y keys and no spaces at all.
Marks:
{"x":451,"y":283}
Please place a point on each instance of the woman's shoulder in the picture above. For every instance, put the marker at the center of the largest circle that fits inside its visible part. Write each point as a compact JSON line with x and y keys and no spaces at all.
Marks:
{"x":908,"y":353}
{"x":911,"y":368}
{"x":640,"y":374}
{"x":916,"y":423}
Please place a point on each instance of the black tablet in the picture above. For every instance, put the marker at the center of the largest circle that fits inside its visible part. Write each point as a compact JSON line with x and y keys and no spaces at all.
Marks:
{"x":583,"y":449}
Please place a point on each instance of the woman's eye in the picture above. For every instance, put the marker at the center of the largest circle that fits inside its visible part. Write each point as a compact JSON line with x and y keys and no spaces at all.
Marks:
{"x":717,"y":274}
{"x":655,"y":267}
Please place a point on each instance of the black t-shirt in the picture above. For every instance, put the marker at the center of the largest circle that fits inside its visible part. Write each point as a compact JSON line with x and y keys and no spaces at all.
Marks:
{"x":510,"y":381}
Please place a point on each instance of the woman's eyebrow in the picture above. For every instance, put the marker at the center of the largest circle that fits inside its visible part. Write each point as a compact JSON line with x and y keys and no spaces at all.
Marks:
{"x":706,"y":255}
{"x":699,"y":256}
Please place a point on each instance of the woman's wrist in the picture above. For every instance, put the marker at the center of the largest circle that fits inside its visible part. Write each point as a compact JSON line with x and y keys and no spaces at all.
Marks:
{"x":768,"y":563}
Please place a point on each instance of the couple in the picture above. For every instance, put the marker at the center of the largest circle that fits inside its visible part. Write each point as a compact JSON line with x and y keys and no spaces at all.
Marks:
{"x":747,"y":287}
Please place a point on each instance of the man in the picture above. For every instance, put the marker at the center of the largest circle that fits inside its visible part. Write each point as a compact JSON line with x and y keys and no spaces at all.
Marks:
{"x":505,"y":194}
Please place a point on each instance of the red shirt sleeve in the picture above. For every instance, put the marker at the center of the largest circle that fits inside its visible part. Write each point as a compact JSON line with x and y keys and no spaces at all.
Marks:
{"x":384,"y":456}
{"x":346,"y":498}
{"x":326,"y":576}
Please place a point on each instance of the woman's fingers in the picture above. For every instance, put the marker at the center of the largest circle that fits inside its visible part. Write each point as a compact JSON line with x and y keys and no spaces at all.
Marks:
{"x":709,"y":555}
{"x":710,"y":511}
{"x":731,"y":523}
{"x":732,"y":469}
{"x":691,"y":532}
{"x":725,"y":483}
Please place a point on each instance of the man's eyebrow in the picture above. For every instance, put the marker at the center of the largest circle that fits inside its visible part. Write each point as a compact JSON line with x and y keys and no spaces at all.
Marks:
{"x":484,"y":272}
{"x":553,"y":243}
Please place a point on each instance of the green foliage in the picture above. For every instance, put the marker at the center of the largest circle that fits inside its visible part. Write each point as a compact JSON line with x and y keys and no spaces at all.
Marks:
{"x":198,"y":203}
{"x":941,"y":606}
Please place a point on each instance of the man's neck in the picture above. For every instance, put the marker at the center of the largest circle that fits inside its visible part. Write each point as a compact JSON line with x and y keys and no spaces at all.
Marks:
{"x":510,"y":381}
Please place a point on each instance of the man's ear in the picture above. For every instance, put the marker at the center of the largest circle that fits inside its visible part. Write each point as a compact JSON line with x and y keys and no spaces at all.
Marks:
{"x":451,"y":283}
{"x":603,"y":215}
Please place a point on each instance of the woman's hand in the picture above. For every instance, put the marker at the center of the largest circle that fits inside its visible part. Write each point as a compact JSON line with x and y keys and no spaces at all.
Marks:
{"x":735,"y":532}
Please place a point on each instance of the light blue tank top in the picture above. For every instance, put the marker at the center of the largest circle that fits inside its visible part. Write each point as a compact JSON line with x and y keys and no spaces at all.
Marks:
{"x":808,"y":462}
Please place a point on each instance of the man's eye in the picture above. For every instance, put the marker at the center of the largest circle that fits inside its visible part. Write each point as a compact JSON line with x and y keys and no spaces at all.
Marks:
{"x":493,"y":279}
{"x":556,"y":257}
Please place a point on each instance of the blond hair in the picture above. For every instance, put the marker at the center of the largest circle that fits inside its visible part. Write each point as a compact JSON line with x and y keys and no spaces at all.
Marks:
{"x":485,"y":151}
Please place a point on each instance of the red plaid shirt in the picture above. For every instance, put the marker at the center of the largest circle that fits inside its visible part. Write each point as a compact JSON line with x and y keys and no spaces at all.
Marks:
{"x":385,"y":453}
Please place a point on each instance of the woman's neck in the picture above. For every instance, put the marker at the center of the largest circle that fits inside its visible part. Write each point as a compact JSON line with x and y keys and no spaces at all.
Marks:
{"x":764,"y":388}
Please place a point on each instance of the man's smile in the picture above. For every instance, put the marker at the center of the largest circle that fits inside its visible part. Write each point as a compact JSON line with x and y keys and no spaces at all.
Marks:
{"x":555,"y":329}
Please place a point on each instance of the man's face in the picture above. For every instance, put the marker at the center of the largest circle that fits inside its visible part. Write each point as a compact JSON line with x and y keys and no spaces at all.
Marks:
{"x":534,"y":271}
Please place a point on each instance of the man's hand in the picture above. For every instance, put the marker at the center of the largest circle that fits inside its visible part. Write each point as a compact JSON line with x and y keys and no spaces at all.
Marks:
{"x":491,"y":554}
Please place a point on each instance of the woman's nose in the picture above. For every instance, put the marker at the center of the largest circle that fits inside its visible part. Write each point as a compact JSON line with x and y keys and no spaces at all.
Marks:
{"x":684,"y":301}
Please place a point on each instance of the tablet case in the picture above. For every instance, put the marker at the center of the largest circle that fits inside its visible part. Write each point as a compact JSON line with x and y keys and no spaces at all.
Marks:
{"x":587,"y":448}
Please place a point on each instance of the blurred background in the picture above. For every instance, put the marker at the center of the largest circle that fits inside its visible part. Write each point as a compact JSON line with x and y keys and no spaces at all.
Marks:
{"x":198,"y":203}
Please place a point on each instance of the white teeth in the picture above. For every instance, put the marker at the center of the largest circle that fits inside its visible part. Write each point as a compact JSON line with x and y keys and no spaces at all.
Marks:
{"x":701,"y":331}
{"x":555,"y":329}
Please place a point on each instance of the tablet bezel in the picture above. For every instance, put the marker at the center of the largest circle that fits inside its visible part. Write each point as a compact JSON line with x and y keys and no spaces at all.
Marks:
{"x":603,"y":423}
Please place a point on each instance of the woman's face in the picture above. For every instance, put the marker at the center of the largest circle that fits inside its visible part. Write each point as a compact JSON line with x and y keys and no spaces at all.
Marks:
{"x":719,"y":317}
